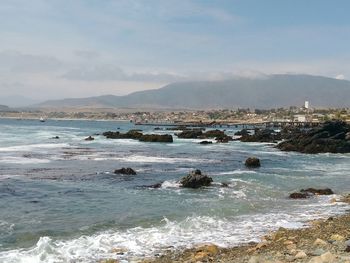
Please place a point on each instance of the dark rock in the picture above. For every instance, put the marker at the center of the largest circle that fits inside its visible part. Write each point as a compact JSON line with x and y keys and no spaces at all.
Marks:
{"x":252,"y":162}
{"x":190,"y":134}
{"x":224,"y":184}
{"x":205,"y":142}
{"x":137,"y":135}
{"x":326,"y":191}
{"x":90,"y":138}
{"x":155,"y":186}
{"x":224,"y":139}
{"x":213,"y":134}
{"x":331,"y":137}
{"x":243,"y":132}
{"x":195,"y":180}
{"x":156,"y":138}
{"x":298,"y":195}
{"x":261,"y":135}
{"x":55,"y":137}
{"x":126,"y":171}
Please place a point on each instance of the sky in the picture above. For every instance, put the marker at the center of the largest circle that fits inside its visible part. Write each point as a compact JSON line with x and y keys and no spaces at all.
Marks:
{"x":51,"y":49}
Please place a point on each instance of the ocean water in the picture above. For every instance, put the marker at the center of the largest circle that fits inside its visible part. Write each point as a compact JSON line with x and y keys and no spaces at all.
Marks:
{"x":61,"y":202}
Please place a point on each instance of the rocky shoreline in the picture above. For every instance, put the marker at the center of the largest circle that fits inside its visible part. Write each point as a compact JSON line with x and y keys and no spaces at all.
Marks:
{"x":324,"y":241}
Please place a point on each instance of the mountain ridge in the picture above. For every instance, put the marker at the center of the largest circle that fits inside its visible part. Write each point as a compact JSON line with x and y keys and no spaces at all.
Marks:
{"x":274,"y":91}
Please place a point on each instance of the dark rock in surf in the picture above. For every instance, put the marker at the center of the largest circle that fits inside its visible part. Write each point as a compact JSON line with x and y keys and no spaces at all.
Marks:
{"x":252,"y":162}
{"x":156,"y":138}
{"x":195,"y":180}
{"x":206,"y":142}
{"x":325,"y":191}
{"x":298,"y":195}
{"x":126,"y":171}
{"x":90,"y":138}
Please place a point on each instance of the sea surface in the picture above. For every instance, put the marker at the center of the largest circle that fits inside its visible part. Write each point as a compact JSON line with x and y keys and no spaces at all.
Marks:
{"x":61,"y":202}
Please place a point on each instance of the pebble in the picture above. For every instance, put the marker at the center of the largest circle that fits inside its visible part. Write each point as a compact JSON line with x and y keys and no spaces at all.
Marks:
{"x":300,"y":254}
{"x":337,"y":237}
{"x":320,"y":242}
{"x":317,"y":252}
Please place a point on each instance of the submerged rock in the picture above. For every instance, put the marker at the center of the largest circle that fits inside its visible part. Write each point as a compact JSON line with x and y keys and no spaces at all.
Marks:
{"x":252,"y":162}
{"x":206,"y":142}
{"x":325,"y":191}
{"x":127,"y":171}
{"x":195,"y":180}
{"x":298,"y":195}
{"x":90,"y":138}
{"x":305,"y":193}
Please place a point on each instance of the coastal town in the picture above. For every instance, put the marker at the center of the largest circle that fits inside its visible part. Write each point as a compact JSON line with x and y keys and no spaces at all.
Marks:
{"x":293,"y":114}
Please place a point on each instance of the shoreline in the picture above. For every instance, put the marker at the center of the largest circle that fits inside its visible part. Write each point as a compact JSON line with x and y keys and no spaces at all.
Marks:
{"x":321,"y":241}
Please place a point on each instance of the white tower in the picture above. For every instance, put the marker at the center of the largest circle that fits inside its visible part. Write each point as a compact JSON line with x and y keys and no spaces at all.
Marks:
{"x":306,"y":104}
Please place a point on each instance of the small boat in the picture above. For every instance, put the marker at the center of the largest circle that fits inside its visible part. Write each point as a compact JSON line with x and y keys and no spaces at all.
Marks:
{"x":42,"y":119}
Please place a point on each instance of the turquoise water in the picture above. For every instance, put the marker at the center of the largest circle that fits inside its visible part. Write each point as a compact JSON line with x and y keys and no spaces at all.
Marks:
{"x":61,"y":202}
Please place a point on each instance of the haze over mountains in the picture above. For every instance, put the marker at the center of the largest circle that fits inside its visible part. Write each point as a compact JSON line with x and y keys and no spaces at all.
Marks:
{"x":270,"y":92}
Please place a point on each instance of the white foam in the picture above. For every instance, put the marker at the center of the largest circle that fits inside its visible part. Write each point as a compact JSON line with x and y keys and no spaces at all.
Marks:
{"x":236,"y":172}
{"x":31,"y":147}
{"x":22,"y":160}
{"x":152,"y":159}
{"x":170,"y":184}
{"x":142,"y":242}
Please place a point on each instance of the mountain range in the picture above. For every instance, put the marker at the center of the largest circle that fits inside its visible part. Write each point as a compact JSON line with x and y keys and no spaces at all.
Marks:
{"x":271,"y":91}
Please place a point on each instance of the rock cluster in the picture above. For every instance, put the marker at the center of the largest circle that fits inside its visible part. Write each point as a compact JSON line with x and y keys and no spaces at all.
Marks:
{"x":332,"y":137}
{"x":126,"y":171}
{"x":195,"y":180}
{"x":137,"y":135}
{"x":309,"y":192}
{"x":260,"y":135}
{"x":219,"y":135}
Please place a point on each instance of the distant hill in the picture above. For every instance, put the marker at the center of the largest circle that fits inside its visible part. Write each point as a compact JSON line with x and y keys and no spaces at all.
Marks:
{"x":270,"y":92}
{"x":4,"y":108}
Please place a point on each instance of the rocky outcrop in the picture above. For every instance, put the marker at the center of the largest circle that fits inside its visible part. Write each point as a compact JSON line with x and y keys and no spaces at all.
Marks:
{"x":243,"y":132}
{"x":137,"y":135}
{"x":261,"y":135}
{"x":309,"y":192}
{"x":219,"y":136}
{"x":126,"y":171}
{"x":195,"y":180}
{"x":156,"y":138}
{"x":132,"y":134}
{"x":190,"y":134}
{"x":252,"y":162}
{"x":90,"y":138}
{"x":330,"y":137}
{"x":224,"y":139}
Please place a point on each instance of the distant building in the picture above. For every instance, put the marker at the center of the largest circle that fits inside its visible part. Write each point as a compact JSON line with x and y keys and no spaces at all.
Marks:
{"x":300,"y":118}
{"x":306,"y":105}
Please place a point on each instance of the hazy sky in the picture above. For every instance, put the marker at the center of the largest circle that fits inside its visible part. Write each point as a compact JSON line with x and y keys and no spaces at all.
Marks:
{"x":73,"y":48}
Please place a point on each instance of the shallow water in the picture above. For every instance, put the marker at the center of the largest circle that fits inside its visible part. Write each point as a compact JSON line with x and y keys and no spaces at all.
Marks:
{"x":61,"y":202}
